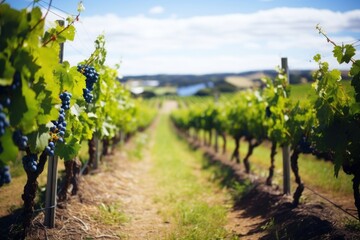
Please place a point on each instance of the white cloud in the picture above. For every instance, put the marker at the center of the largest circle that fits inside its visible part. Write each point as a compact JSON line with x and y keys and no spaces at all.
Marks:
{"x":156,"y":10}
{"x":223,"y":43}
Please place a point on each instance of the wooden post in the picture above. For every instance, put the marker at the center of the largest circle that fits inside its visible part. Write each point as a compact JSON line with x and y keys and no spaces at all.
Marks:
{"x":286,"y":148}
{"x":51,"y":185}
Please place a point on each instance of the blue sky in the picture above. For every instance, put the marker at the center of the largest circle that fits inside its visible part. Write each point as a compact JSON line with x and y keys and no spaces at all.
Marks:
{"x":207,"y":36}
{"x":188,"y":8}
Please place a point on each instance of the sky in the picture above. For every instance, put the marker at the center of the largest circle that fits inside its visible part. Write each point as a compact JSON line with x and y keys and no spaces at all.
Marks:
{"x":207,"y":36}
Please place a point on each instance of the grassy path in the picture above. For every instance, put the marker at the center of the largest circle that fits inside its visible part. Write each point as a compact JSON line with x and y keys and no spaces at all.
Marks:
{"x":194,"y":207}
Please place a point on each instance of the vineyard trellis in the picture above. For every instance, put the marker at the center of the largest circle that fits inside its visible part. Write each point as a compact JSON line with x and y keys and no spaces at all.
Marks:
{"x":48,"y":107}
{"x":306,"y":127}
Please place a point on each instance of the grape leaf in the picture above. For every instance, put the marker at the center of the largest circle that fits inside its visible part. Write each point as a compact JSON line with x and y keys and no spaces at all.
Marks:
{"x":28,"y":121}
{"x":6,"y":71}
{"x":11,"y":150}
{"x":42,"y":139}
{"x":355,"y":68}
{"x":18,"y":102}
{"x":68,"y":150}
{"x":349,"y":53}
{"x":338,"y":53}
{"x":69,"y":33}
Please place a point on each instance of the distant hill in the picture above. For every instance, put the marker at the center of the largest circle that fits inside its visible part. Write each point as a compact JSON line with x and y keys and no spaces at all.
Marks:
{"x":178,"y":80}
{"x":165,"y":84}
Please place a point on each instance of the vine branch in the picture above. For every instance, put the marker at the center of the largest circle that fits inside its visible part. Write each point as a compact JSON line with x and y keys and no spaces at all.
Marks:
{"x":57,"y":34}
{"x":328,"y":39}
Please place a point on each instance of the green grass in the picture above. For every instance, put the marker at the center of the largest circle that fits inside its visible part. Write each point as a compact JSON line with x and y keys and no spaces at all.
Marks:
{"x":352,"y":225}
{"x":140,"y":141}
{"x":110,"y":214}
{"x":302,"y":91}
{"x":189,"y":200}
{"x":305,"y":91}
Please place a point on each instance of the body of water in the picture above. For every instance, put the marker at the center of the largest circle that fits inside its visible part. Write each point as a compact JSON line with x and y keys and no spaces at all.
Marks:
{"x":192,"y":89}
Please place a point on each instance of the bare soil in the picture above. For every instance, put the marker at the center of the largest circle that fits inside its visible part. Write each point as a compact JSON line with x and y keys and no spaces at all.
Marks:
{"x":126,"y":185}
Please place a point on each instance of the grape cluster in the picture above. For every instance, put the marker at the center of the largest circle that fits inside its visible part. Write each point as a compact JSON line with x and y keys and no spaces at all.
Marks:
{"x":20,"y":141}
{"x":65,"y":100}
{"x":30,"y":162}
{"x":59,"y":127}
{"x":91,"y":78}
{"x":50,"y":148}
{"x":305,"y":145}
{"x":5,"y":176}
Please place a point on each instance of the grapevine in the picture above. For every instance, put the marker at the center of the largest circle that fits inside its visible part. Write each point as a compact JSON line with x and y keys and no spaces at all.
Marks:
{"x":20,"y":140}
{"x":338,"y":113}
{"x":41,"y":100}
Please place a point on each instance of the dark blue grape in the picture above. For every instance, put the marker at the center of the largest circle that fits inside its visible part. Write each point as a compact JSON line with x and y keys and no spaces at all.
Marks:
{"x":3,"y":122}
{"x":51,"y":145}
{"x":53,"y":129}
{"x":20,"y":141}
{"x":5,"y":176}
{"x":30,"y":162}
{"x":65,"y":100}
{"x":7,"y":92}
{"x":61,"y":118}
{"x":49,"y":151}
{"x":91,"y":78}
{"x":59,"y":127}
{"x":305,"y":145}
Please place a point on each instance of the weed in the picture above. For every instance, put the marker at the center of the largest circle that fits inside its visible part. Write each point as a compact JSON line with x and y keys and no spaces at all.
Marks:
{"x":140,"y":142}
{"x":239,"y":189}
{"x":110,"y":214}
{"x":352,"y":225}
{"x":269,"y":226}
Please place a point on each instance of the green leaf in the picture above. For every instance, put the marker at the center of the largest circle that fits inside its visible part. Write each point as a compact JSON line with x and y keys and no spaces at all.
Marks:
{"x":24,"y":59}
{"x":69,"y":149}
{"x":355,"y":68}
{"x":38,"y":139}
{"x":317,"y":57}
{"x":6,"y":71}
{"x":18,"y":102}
{"x":76,"y":110}
{"x":42,"y":140}
{"x":344,"y":53}
{"x":69,"y":33}
{"x":28,"y":121}
{"x":349,"y":53}
{"x":10,"y":150}
{"x":338,"y":53}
